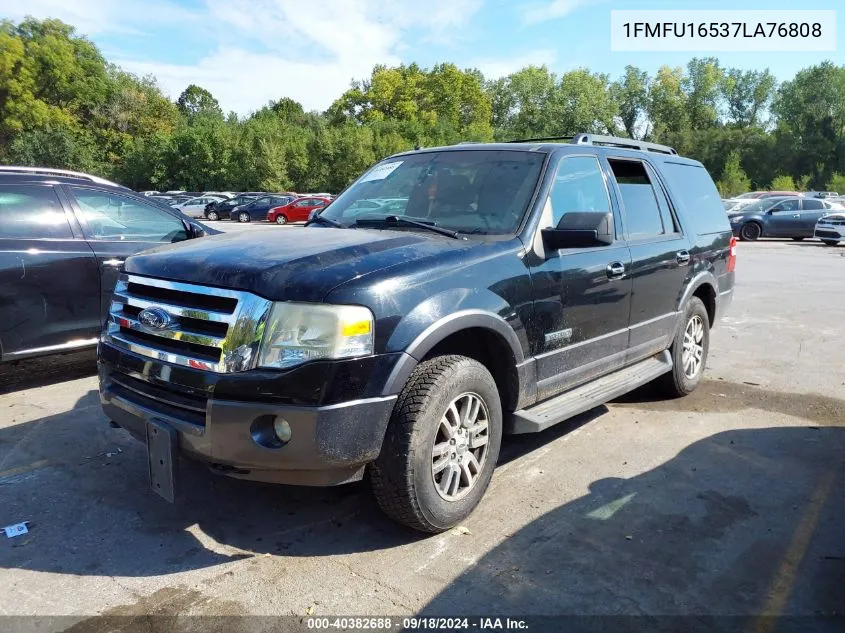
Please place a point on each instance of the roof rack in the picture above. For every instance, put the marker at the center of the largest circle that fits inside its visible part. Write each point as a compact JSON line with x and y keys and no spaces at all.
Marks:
{"x":599,"y":139}
{"x":49,"y":171}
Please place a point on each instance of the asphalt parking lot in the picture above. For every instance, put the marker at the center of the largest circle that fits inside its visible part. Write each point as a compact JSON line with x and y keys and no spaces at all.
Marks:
{"x":726,"y":503}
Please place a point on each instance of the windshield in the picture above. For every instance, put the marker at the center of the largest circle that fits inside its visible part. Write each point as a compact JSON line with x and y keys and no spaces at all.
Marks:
{"x":471,"y":191}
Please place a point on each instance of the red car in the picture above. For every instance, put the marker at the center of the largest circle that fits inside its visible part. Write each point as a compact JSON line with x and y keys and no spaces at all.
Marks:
{"x":296,"y":210}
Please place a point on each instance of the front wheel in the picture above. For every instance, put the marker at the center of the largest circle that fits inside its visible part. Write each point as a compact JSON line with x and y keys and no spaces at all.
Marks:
{"x":441,"y":446}
{"x":243,"y":217}
{"x":212,"y":215}
{"x":280,"y":219}
{"x":830,"y":242}
{"x":750,"y":232}
{"x":689,"y":352}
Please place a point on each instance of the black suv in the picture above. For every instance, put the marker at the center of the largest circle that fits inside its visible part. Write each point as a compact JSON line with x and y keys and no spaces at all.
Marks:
{"x":63,"y":239}
{"x":517,"y":286}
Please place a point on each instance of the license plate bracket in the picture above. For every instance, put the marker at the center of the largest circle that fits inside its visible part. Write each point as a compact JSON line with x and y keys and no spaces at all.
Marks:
{"x":162,"y":457}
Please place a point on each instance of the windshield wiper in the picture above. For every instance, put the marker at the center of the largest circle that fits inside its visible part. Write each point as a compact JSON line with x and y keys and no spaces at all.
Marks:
{"x":327,"y":221}
{"x":399,"y":220}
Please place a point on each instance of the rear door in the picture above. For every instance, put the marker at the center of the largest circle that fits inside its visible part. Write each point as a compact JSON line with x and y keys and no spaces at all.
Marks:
{"x":811,"y":210}
{"x":117,"y":226}
{"x":49,"y":279}
{"x":660,"y":255}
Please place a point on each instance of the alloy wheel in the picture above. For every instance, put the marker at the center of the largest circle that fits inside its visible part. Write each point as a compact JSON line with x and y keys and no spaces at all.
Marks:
{"x":460,"y":446}
{"x":693,"y":353}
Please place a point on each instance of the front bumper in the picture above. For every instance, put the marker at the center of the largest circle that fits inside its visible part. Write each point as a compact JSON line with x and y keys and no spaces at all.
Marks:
{"x":224,"y":425}
{"x":830,"y":233}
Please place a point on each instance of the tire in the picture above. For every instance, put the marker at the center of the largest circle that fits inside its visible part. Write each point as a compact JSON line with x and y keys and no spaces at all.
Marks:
{"x":280,"y":219}
{"x":797,"y":239}
{"x":750,"y":231}
{"x":212,"y":215}
{"x":243,"y":217}
{"x":678,"y":383}
{"x":403,"y":479}
{"x":830,"y":242}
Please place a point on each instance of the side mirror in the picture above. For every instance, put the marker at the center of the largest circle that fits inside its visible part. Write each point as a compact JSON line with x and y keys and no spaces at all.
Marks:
{"x":314,"y":212}
{"x":580,"y":229}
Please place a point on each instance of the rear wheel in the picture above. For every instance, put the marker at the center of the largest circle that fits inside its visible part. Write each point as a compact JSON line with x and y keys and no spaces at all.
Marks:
{"x":243,"y":217}
{"x":830,"y":242}
{"x":212,"y":215}
{"x":750,"y":231}
{"x":441,"y":446}
{"x":689,"y":352}
{"x":280,"y":219}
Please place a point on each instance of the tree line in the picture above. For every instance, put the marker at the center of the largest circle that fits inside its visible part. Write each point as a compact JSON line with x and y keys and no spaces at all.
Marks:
{"x":62,"y":104}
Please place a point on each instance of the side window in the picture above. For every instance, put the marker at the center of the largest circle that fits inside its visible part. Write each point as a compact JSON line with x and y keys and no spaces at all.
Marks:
{"x":786,"y":205}
{"x":113,"y":217}
{"x":319,"y":203}
{"x":642,"y":211}
{"x":32,"y":212}
{"x":670,"y":225}
{"x":813,"y":205}
{"x":578,"y":186}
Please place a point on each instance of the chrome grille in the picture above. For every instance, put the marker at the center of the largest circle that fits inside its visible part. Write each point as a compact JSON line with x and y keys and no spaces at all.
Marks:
{"x":212,"y":329}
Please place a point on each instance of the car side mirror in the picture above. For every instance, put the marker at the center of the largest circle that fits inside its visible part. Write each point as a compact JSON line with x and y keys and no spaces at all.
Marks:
{"x":313,"y":214}
{"x":580,"y":229}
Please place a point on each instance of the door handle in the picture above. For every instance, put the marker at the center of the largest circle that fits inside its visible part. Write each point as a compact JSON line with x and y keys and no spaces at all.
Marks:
{"x":797,"y":215}
{"x":117,"y":263}
{"x":682,"y":257}
{"x":615,"y":270}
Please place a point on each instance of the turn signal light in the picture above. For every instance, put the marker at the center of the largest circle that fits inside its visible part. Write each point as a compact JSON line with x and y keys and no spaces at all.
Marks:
{"x":732,"y":255}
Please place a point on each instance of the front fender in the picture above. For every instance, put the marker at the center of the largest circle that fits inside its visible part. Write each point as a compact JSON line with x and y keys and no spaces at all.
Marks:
{"x":451,"y":311}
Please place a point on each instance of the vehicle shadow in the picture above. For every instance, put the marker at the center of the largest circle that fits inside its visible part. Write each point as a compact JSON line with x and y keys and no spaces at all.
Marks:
{"x":740,"y":523}
{"x":48,"y":370}
{"x":83,"y":488}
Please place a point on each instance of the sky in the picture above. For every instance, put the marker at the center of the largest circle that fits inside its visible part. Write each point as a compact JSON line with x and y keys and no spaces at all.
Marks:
{"x":248,"y":52}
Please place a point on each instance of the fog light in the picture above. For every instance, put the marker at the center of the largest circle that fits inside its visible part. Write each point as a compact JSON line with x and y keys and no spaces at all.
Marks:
{"x":282,"y":430}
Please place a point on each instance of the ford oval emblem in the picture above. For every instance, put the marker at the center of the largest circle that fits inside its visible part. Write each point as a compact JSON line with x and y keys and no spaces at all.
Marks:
{"x":155,"y":318}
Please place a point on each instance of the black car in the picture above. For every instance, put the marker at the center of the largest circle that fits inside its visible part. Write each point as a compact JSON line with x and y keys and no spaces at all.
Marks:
{"x":518,"y":285}
{"x":791,"y":216}
{"x":63,"y":239}
{"x":256,"y":210}
{"x":221,"y":209}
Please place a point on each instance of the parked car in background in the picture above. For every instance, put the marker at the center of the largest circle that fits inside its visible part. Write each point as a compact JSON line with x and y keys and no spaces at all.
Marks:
{"x":220,"y":209}
{"x":195,"y":207}
{"x":63,"y":239}
{"x":756,"y":195}
{"x":148,"y":193}
{"x":174,"y":192}
{"x":830,"y":229}
{"x":792,"y":216}
{"x":821,"y":194}
{"x":258,"y":208}
{"x":297,"y":210}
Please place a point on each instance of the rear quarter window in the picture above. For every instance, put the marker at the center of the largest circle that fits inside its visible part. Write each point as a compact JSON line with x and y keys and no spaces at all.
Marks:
{"x":693,"y":190}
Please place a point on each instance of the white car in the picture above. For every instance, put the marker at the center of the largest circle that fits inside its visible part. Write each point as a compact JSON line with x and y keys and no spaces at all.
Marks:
{"x":830,"y":229}
{"x":195,"y":207}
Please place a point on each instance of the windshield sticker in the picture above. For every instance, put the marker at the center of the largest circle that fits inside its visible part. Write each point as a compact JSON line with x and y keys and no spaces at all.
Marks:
{"x":380,"y":172}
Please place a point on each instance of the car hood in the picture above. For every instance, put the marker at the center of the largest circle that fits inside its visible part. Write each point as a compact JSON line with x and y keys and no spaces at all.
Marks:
{"x":296,"y":264}
{"x":833,"y":216}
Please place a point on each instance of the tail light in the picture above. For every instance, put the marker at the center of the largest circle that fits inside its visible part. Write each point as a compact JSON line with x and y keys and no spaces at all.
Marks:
{"x":732,"y":255}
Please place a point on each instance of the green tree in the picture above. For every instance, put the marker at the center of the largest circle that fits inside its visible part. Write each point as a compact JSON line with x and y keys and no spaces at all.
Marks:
{"x":702,"y":88}
{"x":734,"y":181}
{"x":196,"y":101}
{"x":836,"y":183}
{"x":582,"y":102}
{"x":747,"y":94}
{"x":631,"y":96}
{"x":782,"y":183}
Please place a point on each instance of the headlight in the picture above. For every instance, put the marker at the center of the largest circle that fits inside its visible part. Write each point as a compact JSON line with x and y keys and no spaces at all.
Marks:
{"x":299,"y":332}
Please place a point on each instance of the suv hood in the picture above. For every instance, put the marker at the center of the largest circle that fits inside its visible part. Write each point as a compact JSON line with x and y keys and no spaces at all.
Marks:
{"x":296,"y":264}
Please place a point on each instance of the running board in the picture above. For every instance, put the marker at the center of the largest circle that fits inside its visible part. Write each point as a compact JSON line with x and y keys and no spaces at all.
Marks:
{"x":550,"y":412}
